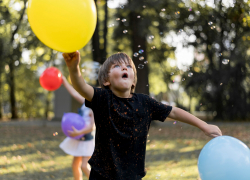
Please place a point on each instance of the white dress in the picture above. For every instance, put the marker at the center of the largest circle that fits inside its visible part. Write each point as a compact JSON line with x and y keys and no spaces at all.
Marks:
{"x":76,"y":147}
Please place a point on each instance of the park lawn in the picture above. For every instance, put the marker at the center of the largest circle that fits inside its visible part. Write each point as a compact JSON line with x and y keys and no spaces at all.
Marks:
{"x":32,"y":152}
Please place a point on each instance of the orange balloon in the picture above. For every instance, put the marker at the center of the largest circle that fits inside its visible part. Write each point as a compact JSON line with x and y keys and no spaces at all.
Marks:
{"x":51,"y":79}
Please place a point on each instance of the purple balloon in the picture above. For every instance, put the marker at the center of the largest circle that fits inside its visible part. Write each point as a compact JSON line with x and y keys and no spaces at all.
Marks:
{"x":72,"y":119}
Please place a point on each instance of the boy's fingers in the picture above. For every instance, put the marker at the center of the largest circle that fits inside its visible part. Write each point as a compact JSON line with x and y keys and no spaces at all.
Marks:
{"x":66,"y":56}
{"x":71,"y":54}
{"x":74,"y":128}
{"x":63,"y":54}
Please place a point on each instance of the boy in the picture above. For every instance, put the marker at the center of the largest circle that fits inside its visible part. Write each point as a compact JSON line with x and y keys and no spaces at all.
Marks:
{"x":123,"y":118}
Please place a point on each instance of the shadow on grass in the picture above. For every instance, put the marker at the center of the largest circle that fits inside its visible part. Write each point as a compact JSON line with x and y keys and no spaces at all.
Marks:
{"x":61,"y":174}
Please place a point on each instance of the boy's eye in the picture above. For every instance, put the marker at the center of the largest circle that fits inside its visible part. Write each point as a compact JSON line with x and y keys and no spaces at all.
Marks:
{"x":116,"y":66}
{"x":129,"y":66}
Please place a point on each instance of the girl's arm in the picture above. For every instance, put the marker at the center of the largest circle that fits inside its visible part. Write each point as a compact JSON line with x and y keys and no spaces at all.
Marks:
{"x":72,"y":91}
{"x":72,"y":61}
{"x":85,"y":130}
{"x":183,"y":116}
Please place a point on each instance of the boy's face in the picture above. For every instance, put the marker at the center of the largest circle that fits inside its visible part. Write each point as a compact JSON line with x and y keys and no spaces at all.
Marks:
{"x":121,"y":77}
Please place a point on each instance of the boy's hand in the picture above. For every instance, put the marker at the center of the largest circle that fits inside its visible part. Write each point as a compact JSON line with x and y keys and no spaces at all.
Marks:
{"x":212,"y":130}
{"x":72,"y":59}
{"x":74,"y":133}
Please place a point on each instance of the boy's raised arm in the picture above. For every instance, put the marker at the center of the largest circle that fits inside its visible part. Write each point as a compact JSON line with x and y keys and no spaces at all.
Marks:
{"x":183,"y":116}
{"x":72,"y":60}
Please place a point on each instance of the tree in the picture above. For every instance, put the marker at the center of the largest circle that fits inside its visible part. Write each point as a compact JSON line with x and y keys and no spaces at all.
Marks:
{"x":219,"y":78}
{"x":140,"y":24}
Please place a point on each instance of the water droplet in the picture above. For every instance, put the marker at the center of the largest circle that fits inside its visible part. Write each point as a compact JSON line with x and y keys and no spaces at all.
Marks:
{"x":139,"y":45}
{"x":111,"y":25}
{"x":225,"y":61}
{"x":146,"y":62}
{"x":210,"y":23}
{"x":138,"y":17}
{"x":153,"y":47}
{"x":121,"y":7}
{"x":151,"y":37}
{"x":144,"y":6}
{"x":55,"y":134}
{"x":221,"y":83}
{"x":213,"y":27}
{"x":124,"y":20}
{"x":159,"y":129}
{"x":141,"y":58}
{"x":174,"y":122}
{"x":163,"y":9}
{"x":190,"y":74}
{"x":147,"y":85}
{"x":118,"y":19}
{"x":183,"y":79}
{"x":141,"y":51}
{"x":136,"y":54}
{"x":140,"y":66}
{"x":190,"y":9}
{"x":220,"y":54}
{"x":197,"y":12}
{"x":125,"y":31}
{"x":177,"y":12}
{"x":16,"y":63}
{"x":157,"y":176}
{"x":181,"y":30}
{"x":172,"y":73}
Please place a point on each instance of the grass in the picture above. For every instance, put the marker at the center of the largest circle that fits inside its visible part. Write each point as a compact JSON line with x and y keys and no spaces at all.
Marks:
{"x":32,"y":152}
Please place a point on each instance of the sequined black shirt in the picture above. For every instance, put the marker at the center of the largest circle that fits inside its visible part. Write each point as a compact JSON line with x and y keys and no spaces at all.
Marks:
{"x":122,"y":126}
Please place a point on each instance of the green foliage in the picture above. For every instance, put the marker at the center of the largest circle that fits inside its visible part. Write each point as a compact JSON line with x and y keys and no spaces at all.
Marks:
{"x":219,"y":78}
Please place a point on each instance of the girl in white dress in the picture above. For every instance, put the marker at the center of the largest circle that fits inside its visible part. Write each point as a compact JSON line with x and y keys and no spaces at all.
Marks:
{"x":83,"y":148}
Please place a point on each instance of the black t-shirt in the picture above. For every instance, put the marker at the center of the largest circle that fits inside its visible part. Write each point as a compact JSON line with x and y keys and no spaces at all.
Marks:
{"x":122,"y":126}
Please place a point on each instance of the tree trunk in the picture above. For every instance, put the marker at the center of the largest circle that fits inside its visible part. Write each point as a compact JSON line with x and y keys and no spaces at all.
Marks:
{"x":105,"y":32}
{"x":12,"y":91}
{"x":139,"y":40}
{"x":12,"y":67}
{"x":95,"y":41}
{"x":47,"y":104}
{"x":220,"y":89}
{"x":1,"y":97}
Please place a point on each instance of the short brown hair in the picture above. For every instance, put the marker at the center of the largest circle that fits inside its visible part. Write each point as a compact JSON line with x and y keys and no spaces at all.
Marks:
{"x":120,"y":58}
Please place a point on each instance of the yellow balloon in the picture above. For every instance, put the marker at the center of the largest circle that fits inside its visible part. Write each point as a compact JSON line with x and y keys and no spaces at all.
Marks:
{"x":63,"y":25}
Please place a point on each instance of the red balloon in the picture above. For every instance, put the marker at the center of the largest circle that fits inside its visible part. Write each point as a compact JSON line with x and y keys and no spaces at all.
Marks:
{"x":51,"y":79}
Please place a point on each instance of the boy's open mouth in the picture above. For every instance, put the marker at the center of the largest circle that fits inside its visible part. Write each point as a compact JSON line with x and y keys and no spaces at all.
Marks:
{"x":125,"y":75}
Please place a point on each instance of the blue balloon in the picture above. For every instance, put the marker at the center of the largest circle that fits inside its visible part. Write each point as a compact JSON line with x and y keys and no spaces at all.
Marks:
{"x":224,"y":158}
{"x":72,"y":119}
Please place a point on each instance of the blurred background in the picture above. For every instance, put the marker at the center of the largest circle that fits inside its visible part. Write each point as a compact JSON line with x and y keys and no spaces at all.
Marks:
{"x":193,"y":54}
